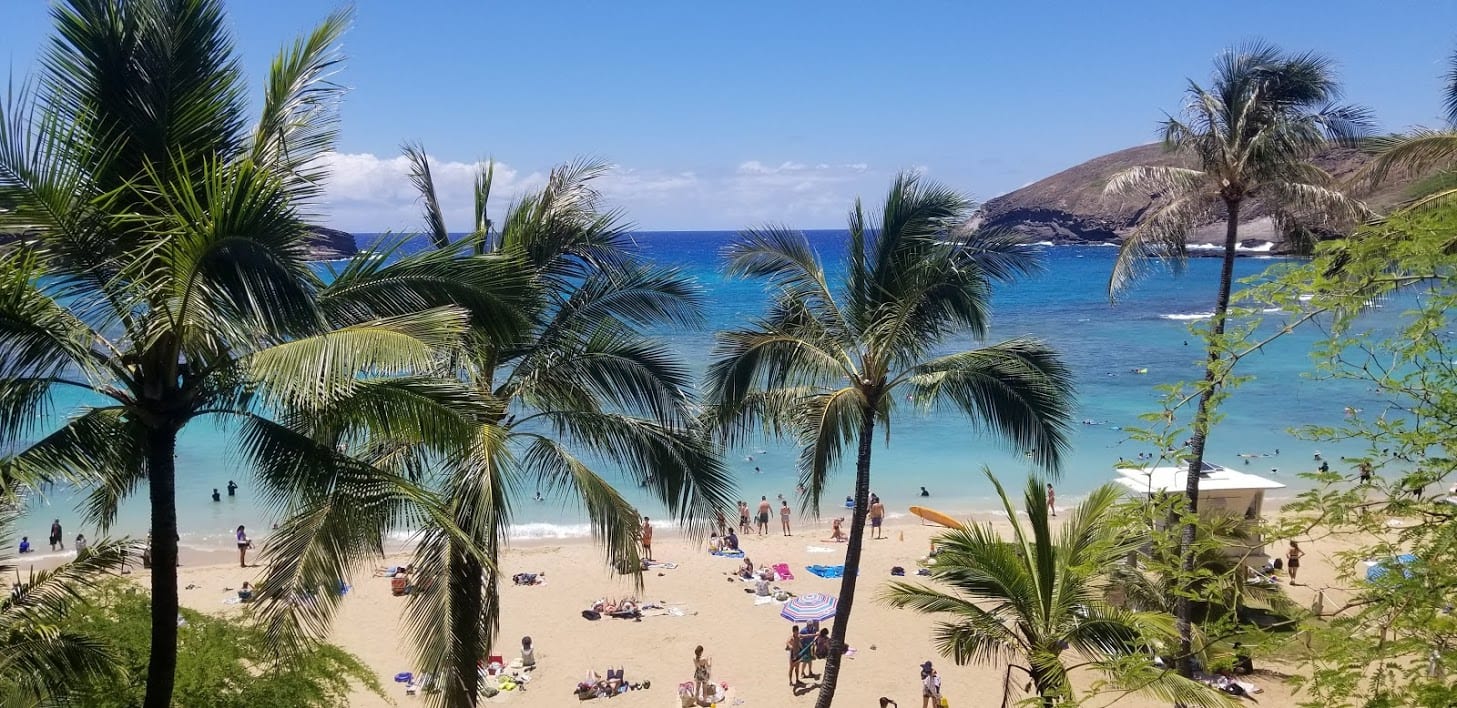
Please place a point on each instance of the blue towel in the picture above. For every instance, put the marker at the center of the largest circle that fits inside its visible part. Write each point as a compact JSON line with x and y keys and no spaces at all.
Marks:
{"x":827,"y":571}
{"x":728,"y":554}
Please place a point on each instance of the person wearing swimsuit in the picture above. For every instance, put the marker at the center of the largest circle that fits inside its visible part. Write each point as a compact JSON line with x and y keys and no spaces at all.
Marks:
{"x":702,"y":674}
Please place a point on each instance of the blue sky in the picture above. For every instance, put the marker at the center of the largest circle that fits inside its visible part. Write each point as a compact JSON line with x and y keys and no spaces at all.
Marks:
{"x":726,"y":114}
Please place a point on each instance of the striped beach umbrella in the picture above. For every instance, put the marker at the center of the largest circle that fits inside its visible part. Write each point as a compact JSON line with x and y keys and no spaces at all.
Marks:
{"x":813,"y":607}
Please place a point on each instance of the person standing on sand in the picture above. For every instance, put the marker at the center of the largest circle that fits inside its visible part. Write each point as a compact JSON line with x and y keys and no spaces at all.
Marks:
{"x":930,"y":686}
{"x":720,"y":524}
{"x":877,"y":516}
{"x":764,"y":509}
{"x":784,"y":516}
{"x":1292,"y":559}
{"x":243,"y":545}
{"x":56,"y":538}
{"x":1051,"y":500}
{"x":647,"y":539}
{"x":702,"y":674}
{"x":793,"y":647}
{"x":743,"y":516}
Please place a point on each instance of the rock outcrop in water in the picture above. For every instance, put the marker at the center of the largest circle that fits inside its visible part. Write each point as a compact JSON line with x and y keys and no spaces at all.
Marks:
{"x":323,"y":243}
{"x":1069,"y":207}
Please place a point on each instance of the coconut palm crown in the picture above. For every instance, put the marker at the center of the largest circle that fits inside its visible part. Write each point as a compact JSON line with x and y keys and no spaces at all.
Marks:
{"x":1036,"y":600}
{"x":825,"y":365}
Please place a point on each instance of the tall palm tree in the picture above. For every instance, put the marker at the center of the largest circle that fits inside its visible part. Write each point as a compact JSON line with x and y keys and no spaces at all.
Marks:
{"x":827,"y":365}
{"x":1033,"y":600}
{"x":1250,"y":137}
{"x":168,"y":277}
{"x":582,"y":382}
{"x":40,"y":663}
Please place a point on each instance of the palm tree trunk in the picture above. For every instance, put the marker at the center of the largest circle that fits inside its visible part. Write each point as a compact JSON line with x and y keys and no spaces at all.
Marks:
{"x":465,"y":629}
{"x":162,"y":479}
{"x":831,"y":673}
{"x":1183,"y":608}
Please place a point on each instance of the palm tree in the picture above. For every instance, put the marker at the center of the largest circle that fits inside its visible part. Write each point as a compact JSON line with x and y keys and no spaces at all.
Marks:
{"x":42,"y":664}
{"x":168,"y":275}
{"x":1033,"y":600}
{"x":826,"y":366}
{"x":1250,"y":137}
{"x":582,"y":382}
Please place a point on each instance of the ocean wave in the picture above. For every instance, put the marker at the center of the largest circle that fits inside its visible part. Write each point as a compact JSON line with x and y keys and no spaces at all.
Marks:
{"x":1187,"y":316}
{"x":1263,"y":247}
{"x":541,"y":531}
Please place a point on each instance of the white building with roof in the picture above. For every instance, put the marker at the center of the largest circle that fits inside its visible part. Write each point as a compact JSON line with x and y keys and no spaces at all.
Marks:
{"x":1222,"y":491}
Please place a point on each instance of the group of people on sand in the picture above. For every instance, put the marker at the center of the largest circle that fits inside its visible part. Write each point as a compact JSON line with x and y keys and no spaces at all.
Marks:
{"x":758,"y":521}
{"x":804,"y":646}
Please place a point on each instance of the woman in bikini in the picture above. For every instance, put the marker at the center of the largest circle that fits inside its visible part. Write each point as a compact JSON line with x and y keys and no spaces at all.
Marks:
{"x":1292,"y":560}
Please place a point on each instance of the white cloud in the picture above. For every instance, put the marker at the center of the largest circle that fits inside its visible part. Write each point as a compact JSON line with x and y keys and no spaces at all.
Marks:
{"x":369,"y":193}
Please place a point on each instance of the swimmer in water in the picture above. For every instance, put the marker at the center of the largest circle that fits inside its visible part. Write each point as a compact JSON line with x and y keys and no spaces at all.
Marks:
{"x":925,"y":493}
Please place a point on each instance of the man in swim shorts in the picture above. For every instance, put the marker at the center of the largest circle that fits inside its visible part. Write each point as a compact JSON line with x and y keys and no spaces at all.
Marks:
{"x":764,"y":509}
{"x":877,"y":515}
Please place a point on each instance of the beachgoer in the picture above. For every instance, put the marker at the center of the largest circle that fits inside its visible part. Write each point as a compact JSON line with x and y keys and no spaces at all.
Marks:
{"x":792,"y":647}
{"x":747,"y":570}
{"x":1292,"y":559}
{"x":245,"y":593}
{"x":849,"y":502}
{"x":81,"y":544}
{"x":836,"y":534}
{"x":25,"y":544}
{"x":763,"y":518}
{"x":720,"y":524}
{"x":1051,"y":500}
{"x":731,"y":541}
{"x":528,"y":654}
{"x":538,"y":496}
{"x":232,"y":488}
{"x":743,"y":516}
{"x":822,"y":644}
{"x":1365,"y":468}
{"x":761,"y":587}
{"x":647,"y":539}
{"x":715,"y":544}
{"x":215,"y":496}
{"x":784,"y":517}
{"x":243,"y":545}
{"x":56,"y":538}
{"x":930,"y":686}
{"x":1243,"y":664}
{"x":888,"y":703}
{"x":925,"y":493}
{"x":877,"y":517}
{"x":807,"y":655}
{"x":702,"y":674}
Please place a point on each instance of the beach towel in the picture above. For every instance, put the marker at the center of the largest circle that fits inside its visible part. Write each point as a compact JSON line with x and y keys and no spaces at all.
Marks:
{"x":818,"y":549}
{"x":782,"y":572}
{"x":665,"y":565}
{"x":827,"y":571}
{"x":728,"y":554}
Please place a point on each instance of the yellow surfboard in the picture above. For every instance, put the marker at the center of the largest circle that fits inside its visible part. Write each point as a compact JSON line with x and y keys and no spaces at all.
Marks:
{"x":936,"y":517}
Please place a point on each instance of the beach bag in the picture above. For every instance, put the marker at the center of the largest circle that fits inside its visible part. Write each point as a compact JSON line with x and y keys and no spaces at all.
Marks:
{"x":943,"y":703}
{"x":897,"y":570}
{"x":591,"y":614}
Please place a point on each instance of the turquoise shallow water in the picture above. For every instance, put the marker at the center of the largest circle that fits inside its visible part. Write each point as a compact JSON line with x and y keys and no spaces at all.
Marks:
{"x":1066,"y":305}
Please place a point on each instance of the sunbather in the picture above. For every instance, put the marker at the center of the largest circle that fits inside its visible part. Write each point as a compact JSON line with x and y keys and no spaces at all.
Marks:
{"x":837,"y":534}
{"x":529,"y":578}
{"x":747,"y":570}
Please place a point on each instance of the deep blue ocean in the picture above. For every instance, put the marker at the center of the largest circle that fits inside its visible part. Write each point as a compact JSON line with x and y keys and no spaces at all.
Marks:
{"x":1067,"y":305}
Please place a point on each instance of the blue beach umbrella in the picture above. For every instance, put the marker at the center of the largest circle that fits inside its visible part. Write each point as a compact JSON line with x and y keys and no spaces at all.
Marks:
{"x":813,"y":607}
{"x":1380,"y":570}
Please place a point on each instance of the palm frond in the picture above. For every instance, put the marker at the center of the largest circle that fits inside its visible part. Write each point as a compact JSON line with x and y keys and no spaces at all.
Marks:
{"x":827,"y":423}
{"x":299,"y":120}
{"x":1159,"y":235}
{"x":1019,"y":389}
{"x":101,"y":446}
{"x":313,"y":372}
{"x":424,"y":184}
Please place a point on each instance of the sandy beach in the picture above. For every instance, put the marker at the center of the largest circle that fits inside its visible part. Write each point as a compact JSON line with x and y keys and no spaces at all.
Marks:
{"x":706,"y":606}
